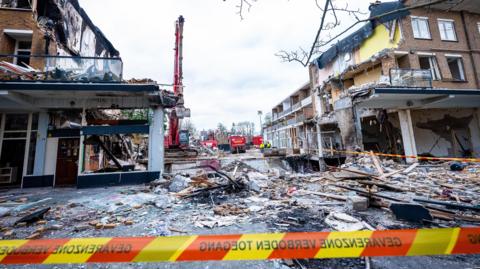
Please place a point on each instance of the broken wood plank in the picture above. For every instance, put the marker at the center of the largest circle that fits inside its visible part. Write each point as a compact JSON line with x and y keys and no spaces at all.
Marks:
{"x":327,"y":195}
{"x":377,"y":164}
{"x":356,"y":172}
{"x":392,"y":173}
{"x":410,"y":168}
{"x":447,"y":204}
{"x":381,"y":185}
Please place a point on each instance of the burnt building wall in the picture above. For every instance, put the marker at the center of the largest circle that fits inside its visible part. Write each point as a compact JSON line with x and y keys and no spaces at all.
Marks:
{"x":71,"y":27}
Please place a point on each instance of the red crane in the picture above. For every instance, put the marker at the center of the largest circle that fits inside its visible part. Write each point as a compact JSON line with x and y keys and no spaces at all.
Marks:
{"x":177,"y":112}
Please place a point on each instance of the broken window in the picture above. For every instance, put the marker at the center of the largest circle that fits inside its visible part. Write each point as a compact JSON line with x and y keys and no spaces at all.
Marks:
{"x":430,"y":63}
{"x":420,"y":28}
{"x":16,"y":4}
{"x":456,"y":68}
{"x":447,"y":30}
{"x":23,"y":49}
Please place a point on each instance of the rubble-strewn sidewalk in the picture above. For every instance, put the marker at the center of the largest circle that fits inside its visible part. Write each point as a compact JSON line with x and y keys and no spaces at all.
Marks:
{"x":366,"y":193}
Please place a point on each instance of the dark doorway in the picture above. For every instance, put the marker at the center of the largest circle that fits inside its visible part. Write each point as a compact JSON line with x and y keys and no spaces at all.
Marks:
{"x":13,"y":154}
{"x":67,"y":162}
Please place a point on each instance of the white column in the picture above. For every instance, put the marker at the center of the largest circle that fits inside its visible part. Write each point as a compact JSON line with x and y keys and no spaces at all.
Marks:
{"x":156,"y":146}
{"x":41,"y":146}
{"x":408,"y":137}
{"x":81,"y":153}
{"x":318,"y":114}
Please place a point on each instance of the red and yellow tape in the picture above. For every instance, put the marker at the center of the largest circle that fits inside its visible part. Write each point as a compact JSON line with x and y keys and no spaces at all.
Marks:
{"x":311,"y":245}
{"x":420,"y":158}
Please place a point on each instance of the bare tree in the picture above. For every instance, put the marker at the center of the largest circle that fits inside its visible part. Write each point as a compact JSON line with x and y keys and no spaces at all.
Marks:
{"x":242,"y":6}
{"x":188,"y":125}
{"x":330,"y":14}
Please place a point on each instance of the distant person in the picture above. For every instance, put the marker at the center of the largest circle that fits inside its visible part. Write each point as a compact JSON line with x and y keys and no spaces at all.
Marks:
{"x":262,"y":146}
{"x":269,"y":145}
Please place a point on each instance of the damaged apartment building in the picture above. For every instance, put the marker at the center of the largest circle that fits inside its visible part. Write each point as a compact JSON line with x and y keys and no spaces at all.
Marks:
{"x":65,"y":111}
{"x":406,"y":83}
{"x":292,"y":124}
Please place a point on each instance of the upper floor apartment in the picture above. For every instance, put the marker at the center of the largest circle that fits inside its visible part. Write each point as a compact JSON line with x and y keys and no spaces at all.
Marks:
{"x":443,"y":39}
{"x":54,"y":40}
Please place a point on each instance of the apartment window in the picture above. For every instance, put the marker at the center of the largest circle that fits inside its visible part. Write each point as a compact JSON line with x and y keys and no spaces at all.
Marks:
{"x":478,"y":26}
{"x":23,"y":49}
{"x":447,"y":30}
{"x":421,"y":29}
{"x":25,"y":4}
{"x":455,"y":63}
{"x":430,"y":63}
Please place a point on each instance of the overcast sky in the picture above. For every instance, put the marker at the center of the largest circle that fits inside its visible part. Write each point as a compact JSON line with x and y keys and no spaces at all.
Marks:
{"x":230,"y":70}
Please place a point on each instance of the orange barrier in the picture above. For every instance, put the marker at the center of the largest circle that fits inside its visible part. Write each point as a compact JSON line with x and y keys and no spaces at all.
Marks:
{"x":420,"y":158}
{"x":310,"y":245}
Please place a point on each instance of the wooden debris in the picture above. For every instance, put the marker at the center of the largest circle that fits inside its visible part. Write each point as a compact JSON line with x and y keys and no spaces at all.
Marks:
{"x":410,"y":168}
{"x":327,"y":195}
{"x":177,"y":230}
{"x":376,"y":162}
{"x":109,"y":226}
{"x":34,"y":236}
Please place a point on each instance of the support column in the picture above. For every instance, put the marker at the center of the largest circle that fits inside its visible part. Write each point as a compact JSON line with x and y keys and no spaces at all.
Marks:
{"x":156,"y":146}
{"x":41,"y":147}
{"x":408,"y":137}
{"x":81,"y":153}
{"x":318,"y":115}
{"x":358,"y":127}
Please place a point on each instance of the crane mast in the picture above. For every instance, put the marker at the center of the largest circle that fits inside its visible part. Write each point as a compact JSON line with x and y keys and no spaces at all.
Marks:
{"x":174,"y":121}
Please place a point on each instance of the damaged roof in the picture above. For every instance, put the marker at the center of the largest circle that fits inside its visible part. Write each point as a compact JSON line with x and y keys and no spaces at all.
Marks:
{"x":379,"y":13}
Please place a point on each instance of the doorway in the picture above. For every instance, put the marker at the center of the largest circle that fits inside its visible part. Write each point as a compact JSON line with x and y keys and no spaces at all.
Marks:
{"x":67,"y":162}
{"x":13,"y":153}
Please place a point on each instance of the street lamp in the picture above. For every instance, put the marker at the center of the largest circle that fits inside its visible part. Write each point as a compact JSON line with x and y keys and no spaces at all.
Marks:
{"x":260,"y":113}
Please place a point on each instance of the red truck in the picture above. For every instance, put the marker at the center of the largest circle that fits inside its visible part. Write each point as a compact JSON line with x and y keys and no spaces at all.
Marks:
{"x":238,"y":144}
{"x":257,"y":141}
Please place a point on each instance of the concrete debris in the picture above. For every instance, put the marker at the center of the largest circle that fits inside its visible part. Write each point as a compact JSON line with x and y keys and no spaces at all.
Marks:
{"x":343,"y":222}
{"x":354,"y":196}
{"x":179,"y":183}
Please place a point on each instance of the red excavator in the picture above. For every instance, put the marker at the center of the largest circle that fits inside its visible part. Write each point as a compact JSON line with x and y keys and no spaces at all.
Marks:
{"x":177,"y":141}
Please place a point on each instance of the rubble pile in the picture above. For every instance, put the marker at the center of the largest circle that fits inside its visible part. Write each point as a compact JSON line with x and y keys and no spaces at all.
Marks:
{"x":364,"y":194}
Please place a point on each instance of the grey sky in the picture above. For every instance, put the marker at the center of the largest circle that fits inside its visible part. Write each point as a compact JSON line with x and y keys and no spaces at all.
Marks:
{"x":230,"y":70}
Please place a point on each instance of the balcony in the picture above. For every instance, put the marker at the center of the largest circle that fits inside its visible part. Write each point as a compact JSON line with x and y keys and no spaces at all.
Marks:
{"x":411,"y":78}
{"x":307,"y":101}
{"x":60,"y":69}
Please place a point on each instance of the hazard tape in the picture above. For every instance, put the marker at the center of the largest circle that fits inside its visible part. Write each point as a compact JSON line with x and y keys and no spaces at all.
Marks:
{"x":420,"y":158}
{"x":311,"y":245}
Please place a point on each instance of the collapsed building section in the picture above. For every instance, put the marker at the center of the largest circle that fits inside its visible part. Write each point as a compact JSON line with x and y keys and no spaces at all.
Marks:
{"x":406,"y":83}
{"x":67,"y":116}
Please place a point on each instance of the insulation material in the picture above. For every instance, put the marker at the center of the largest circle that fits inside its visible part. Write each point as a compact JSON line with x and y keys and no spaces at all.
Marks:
{"x":378,"y":41}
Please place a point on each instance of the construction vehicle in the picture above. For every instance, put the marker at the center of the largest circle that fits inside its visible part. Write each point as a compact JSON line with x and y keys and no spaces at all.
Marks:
{"x":238,"y":144}
{"x":177,"y":141}
{"x":257,"y":141}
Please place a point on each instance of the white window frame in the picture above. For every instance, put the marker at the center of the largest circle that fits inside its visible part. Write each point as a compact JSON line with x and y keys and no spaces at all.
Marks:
{"x":443,"y":31}
{"x":434,"y":68}
{"x":413,"y":18}
{"x":17,"y":42}
{"x":460,"y":64}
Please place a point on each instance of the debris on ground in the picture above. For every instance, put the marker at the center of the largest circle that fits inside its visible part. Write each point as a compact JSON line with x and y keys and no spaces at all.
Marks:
{"x":255,"y":196}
